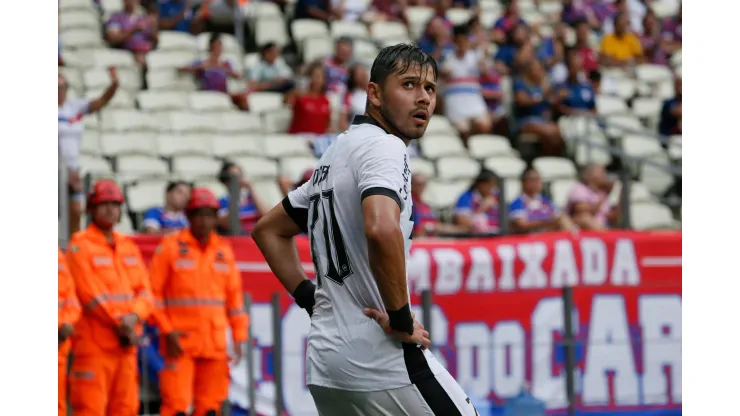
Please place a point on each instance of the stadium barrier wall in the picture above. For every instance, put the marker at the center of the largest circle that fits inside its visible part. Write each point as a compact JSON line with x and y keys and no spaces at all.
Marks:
{"x":495,"y":308}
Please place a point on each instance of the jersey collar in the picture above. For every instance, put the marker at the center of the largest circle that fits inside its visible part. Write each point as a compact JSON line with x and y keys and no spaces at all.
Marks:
{"x":363,"y":119}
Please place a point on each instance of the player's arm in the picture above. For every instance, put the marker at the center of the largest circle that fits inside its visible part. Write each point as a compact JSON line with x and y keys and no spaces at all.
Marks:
{"x":274,"y":237}
{"x":381,"y":173}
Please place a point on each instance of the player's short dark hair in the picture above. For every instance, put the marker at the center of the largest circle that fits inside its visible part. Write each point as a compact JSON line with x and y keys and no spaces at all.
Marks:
{"x":397,"y":59}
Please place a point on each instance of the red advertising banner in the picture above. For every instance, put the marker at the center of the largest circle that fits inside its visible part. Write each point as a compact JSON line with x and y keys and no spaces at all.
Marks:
{"x":497,"y":318}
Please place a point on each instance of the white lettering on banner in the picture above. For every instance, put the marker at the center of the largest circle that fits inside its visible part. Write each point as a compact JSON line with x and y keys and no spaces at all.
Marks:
{"x":418,"y":273}
{"x":480,"y":277}
{"x":564,"y":271}
{"x":449,"y":270}
{"x":533,"y":276}
{"x":593,"y":261}
{"x":610,"y":362}
{"x":509,"y":363}
{"x":474,"y":358}
{"x":440,"y":331}
{"x":294,"y":328}
{"x":547,"y":319}
{"x":660,"y":322}
{"x":624,"y":270}
{"x":506,"y":255}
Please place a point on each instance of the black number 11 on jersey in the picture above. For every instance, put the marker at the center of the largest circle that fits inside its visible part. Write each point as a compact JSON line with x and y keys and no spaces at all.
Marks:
{"x":321,"y":209}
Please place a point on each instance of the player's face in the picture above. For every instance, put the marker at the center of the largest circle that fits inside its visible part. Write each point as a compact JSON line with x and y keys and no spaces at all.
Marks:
{"x":407,"y":100}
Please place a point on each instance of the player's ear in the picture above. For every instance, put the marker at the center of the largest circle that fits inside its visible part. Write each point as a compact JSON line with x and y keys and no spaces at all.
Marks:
{"x":373,"y":94}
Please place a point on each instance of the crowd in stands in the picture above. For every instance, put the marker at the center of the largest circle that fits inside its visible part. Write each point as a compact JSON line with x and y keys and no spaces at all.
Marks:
{"x":512,"y":70}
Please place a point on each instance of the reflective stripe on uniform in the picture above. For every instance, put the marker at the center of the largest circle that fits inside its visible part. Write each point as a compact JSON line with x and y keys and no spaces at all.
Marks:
{"x":175,"y":302}
{"x":109,"y":297}
{"x":67,"y":302}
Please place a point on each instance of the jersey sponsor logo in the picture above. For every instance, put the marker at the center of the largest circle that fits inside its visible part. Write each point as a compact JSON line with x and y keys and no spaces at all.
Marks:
{"x":404,"y":191}
{"x":320,"y":175}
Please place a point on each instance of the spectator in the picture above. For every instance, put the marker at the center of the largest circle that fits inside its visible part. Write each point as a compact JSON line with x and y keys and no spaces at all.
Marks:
{"x":533,"y":211}
{"x":575,"y":96}
{"x":426,"y":222}
{"x":551,"y":52}
{"x":477,"y":210}
{"x":337,"y":66}
{"x":271,"y":73}
{"x":463,"y":101}
{"x":212,"y":73}
{"x":651,"y":40}
{"x":387,"y":11}
{"x":312,"y":111}
{"x":132,"y":31}
{"x":479,"y":36}
{"x":171,"y":217}
{"x":588,"y":201}
{"x":670,"y":114}
{"x":505,"y":57}
{"x":532,"y":108}
{"x":251,"y":205}
{"x":177,"y":15}
{"x":70,"y":131}
{"x":349,"y":10}
{"x":595,"y":78}
{"x":633,"y":10}
{"x":314,"y":9}
{"x":575,"y":11}
{"x":436,"y":40}
{"x":490,"y":83}
{"x":506,"y":23}
{"x":589,"y":58}
{"x":621,"y":48}
{"x":671,"y":31}
{"x":355,"y":98}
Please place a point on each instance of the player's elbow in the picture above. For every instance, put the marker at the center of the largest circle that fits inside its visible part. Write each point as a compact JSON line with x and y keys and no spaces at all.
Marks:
{"x":261,"y":231}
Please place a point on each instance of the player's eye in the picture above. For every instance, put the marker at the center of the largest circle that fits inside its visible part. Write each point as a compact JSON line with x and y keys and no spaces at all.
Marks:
{"x":408,"y":84}
{"x":431,"y":88}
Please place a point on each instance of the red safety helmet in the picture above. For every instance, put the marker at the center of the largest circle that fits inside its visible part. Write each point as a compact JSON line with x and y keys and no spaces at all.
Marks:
{"x":202,"y":198}
{"x":104,"y":191}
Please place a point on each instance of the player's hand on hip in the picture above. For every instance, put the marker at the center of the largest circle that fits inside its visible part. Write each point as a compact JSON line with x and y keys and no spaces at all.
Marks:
{"x":419,"y":337}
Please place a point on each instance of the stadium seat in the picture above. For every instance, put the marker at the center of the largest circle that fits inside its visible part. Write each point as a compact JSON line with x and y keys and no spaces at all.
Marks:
{"x":218,"y":189}
{"x":674,"y":147}
{"x":639,"y":193}
{"x":230,"y":146}
{"x":257,"y":167}
{"x":78,"y":19}
{"x":191,"y":167}
{"x":268,"y":190}
{"x":210,"y":101}
{"x":551,"y":168}
{"x":418,"y":16}
{"x":440,"y":125}
{"x":647,"y":216}
{"x":122,"y":100}
{"x":65,"y":5}
{"x":262,"y":10}
{"x":128,"y":120}
{"x":294,"y":167}
{"x":559,"y":191}
{"x":153,"y":101}
{"x":271,"y":29}
{"x":652,"y":73}
{"x":625,"y":88}
{"x":422,"y":167}
{"x":169,"y":80}
{"x":482,"y":146}
{"x":641,"y":146}
{"x":282,"y":145}
{"x":648,"y":108}
{"x":593,"y":151}
{"x":90,"y":144}
{"x":94,"y":165}
{"x":665,"y":90}
{"x":98,"y":78}
{"x":80,"y":38}
{"x":182,"y":122}
{"x":355,"y":30}
{"x":133,"y":167}
{"x":147,"y":194}
{"x":458,"y":16}
{"x":125,"y":226}
{"x":364,"y":51}
{"x":441,"y":195}
{"x":657,"y":180}
{"x":317,"y":47}
{"x":239,"y":122}
{"x":664,"y":9}
{"x":128,"y":143}
{"x":607,"y":105}
{"x":457,"y":167}
{"x":512,"y":190}
{"x":619,"y":125}
{"x":303,"y":29}
{"x":179,"y":145}
{"x":264,"y":101}
{"x":91,"y":122}
{"x":388,"y":30}
{"x":505,"y":167}
{"x":104,"y":58}
{"x":277,"y":121}
{"x":176,"y":40}
{"x":436,"y":146}
{"x":173,"y":59}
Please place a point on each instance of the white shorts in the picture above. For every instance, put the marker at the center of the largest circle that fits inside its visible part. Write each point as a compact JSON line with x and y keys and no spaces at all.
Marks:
{"x":434,"y":396}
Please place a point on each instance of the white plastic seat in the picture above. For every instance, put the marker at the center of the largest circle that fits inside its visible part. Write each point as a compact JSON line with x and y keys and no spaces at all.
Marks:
{"x":652,"y":73}
{"x":129,"y":143}
{"x":418,"y":16}
{"x":104,"y":58}
{"x":317,"y":47}
{"x":132,"y":167}
{"x":551,"y":168}
{"x":608,"y":105}
{"x":76,"y":19}
{"x":176,"y":40}
{"x":351,"y":29}
{"x":122,"y":100}
{"x":482,"y":146}
{"x":172,"y":59}
{"x":194,"y":166}
{"x":65,"y":5}
{"x":271,"y":30}
{"x":153,"y":101}
{"x":593,"y":151}
{"x":294,"y":167}
{"x":283,"y":145}
{"x":440,"y":195}
{"x":210,"y":101}
{"x":512,"y":190}
{"x":619,"y":125}
{"x":80,"y":38}
{"x":639,"y":193}
{"x":657,"y":180}
{"x":91,"y":122}
{"x":641,"y":146}
{"x":125,"y":226}
{"x":128,"y":120}
{"x":560,"y":190}
{"x":239,"y":122}
{"x":268,"y":190}
{"x":625,"y":88}
{"x":458,"y":16}
{"x":651,"y":216}
{"x":364,"y":51}
{"x":457,"y":167}
{"x":303,"y":29}
{"x":264,"y":101}
{"x":218,"y":189}
{"x":99,"y":78}
{"x":388,"y":30}
{"x":169,"y":145}
{"x":277,"y":121}
{"x":94,"y":164}
{"x":90,"y":144}
{"x":168,"y":79}
{"x":505,"y":167}
{"x":422,"y":167}
{"x":439,"y":125}
{"x":262,"y":10}
{"x":230,"y":146}
{"x":257,"y":167}
{"x":674,"y":147}
{"x":193,"y":122}
{"x":145,"y":195}
{"x":434,"y":147}
{"x":645,"y":107}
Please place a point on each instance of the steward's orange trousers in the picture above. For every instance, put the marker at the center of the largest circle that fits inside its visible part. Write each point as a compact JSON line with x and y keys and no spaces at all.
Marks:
{"x":104,"y":384}
{"x":202,"y":381}
{"x":63,"y":360}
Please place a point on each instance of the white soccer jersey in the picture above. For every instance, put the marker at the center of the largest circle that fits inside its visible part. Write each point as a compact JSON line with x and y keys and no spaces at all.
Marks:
{"x":346,"y":349}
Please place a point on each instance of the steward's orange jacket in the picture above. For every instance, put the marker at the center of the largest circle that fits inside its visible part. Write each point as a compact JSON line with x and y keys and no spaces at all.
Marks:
{"x":197,"y":291}
{"x":111,"y":281}
{"x":69,"y":307}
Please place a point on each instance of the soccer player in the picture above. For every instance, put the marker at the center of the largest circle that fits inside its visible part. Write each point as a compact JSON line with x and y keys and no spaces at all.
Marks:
{"x":357,"y":211}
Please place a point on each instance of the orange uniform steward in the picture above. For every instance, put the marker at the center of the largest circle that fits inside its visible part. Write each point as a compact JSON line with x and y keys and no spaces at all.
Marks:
{"x":197,"y":291}
{"x":69,"y":313}
{"x":113,"y":287}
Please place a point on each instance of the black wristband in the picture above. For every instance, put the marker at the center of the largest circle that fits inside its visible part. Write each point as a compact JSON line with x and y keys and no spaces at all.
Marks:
{"x":401,"y":320}
{"x":304,"y":296}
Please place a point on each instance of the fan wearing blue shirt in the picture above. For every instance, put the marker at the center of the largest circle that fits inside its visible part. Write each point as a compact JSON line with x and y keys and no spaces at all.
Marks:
{"x":178,"y":16}
{"x":477,"y":210}
{"x":170,"y":217}
{"x":576,"y":95}
{"x":533,"y":211}
{"x":532,"y":108}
